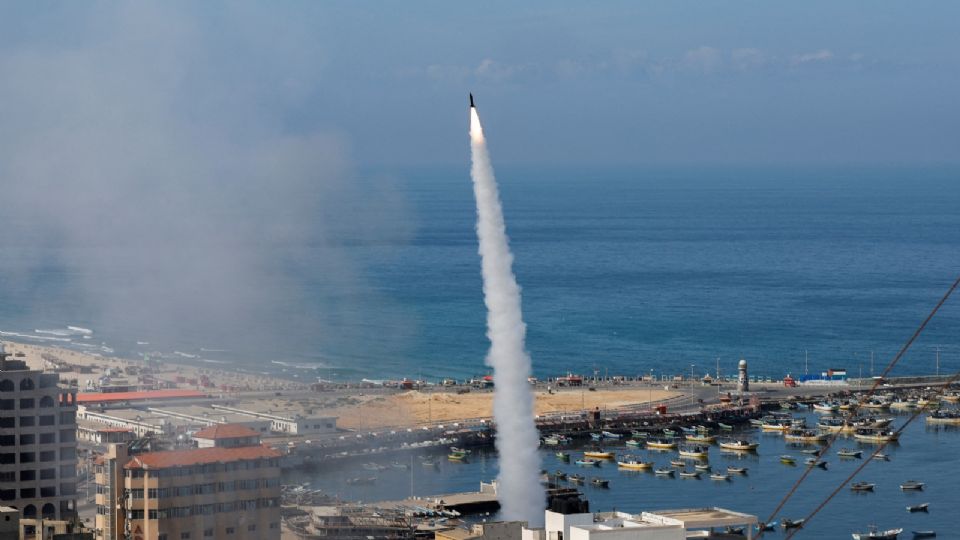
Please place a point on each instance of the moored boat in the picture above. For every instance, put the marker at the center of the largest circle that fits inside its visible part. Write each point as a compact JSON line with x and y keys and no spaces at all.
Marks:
{"x":788,"y":460}
{"x":847,"y":453}
{"x":804,"y":435}
{"x":925,"y":507}
{"x":588,"y":462}
{"x":664,"y":472}
{"x":700,"y":438}
{"x":689,"y":474}
{"x":702,"y":467}
{"x":874,"y":534}
{"x":457,"y":456}
{"x":944,"y":417}
{"x":634,"y":443}
{"x":725,"y":427}
{"x":912,"y":485}
{"x":663,"y":444}
{"x":881,"y":457}
{"x":924,"y":534}
{"x":576,"y":478}
{"x":599,"y":454}
{"x":791,"y":523}
{"x":816,"y":463}
{"x":719,"y":476}
{"x":611,"y":435}
{"x":563,"y":456}
{"x":862,"y":486}
{"x":600,"y":482}
{"x":560,"y":475}
{"x":739,"y":445}
{"x":876,"y":435}
{"x":636,"y":464}
{"x":694,"y":451}
{"x":829,"y":407}
{"x":736,"y":470}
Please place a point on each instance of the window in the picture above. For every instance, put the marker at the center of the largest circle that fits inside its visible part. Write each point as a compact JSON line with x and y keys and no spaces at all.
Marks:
{"x":48,"y":420}
{"x":10,"y":476}
{"x":68,"y":453}
{"x":48,"y":438}
{"x":27,"y":421}
{"x":274,"y":525}
{"x":26,"y":384}
{"x":152,"y":493}
{"x":46,"y":401}
{"x":48,"y":491}
{"x":134,"y":514}
{"x":67,"y":471}
{"x":7,"y":422}
{"x":27,"y":403}
{"x":6,"y":459}
{"x":184,"y":536}
{"x":27,"y":438}
{"x":136,"y":493}
{"x":50,"y":455}
{"x":7,"y":404}
{"x":29,"y":457}
{"x":252,"y":527}
{"x":49,"y":474}
{"x":28,"y":493}
{"x":162,"y":536}
{"x":68,"y":435}
{"x":207,"y":532}
{"x":230,"y":530}
{"x":152,"y":514}
{"x":28,"y":474}
{"x":8,"y":440}
{"x":67,"y":418}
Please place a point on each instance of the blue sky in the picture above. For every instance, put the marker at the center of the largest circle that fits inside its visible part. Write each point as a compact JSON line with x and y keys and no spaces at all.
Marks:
{"x":557,"y":82}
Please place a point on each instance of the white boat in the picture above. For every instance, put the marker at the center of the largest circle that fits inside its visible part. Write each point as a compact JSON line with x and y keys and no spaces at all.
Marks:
{"x":874,"y":534}
{"x":742,"y":446}
{"x":826,"y":407}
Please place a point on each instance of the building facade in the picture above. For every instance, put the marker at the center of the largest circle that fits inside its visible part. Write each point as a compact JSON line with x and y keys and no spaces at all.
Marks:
{"x":38,"y":442}
{"x":214,"y":493}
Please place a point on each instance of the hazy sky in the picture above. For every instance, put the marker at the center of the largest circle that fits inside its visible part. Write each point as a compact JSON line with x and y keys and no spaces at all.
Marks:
{"x":611,"y":82}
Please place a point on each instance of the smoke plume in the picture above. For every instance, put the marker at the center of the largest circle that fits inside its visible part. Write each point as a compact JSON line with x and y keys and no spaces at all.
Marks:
{"x":521,"y":497}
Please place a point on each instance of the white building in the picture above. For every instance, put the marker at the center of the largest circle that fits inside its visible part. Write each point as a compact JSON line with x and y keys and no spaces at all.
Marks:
{"x":659,"y":525}
{"x":292,"y":422}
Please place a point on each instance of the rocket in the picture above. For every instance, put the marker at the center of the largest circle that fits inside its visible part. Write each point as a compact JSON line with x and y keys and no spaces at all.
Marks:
{"x":472,"y":106}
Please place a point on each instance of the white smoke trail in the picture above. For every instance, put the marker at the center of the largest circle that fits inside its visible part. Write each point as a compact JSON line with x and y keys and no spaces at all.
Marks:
{"x":520,"y":494}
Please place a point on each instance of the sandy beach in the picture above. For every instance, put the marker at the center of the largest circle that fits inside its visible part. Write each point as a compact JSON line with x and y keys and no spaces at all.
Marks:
{"x":415,"y":407}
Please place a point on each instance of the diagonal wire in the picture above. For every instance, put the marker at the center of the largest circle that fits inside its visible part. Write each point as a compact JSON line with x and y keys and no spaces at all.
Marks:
{"x":880,"y":448}
{"x":870,"y":392}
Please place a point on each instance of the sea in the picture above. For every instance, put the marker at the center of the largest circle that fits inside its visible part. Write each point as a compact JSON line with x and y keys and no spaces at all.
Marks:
{"x":624,"y":270}
{"x":924,"y":453}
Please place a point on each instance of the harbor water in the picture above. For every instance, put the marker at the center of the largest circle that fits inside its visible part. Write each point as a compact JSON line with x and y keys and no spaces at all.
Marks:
{"x":924,"y":453}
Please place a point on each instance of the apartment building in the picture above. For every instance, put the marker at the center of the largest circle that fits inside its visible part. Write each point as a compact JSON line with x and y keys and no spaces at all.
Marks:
{"x":38,"y":442}
{"x":226,"y":491}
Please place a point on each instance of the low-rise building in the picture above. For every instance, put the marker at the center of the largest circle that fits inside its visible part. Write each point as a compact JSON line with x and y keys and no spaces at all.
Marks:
{"x":292,"y":421}
{"x":656,"y":525}
{"x":97,"y":433}
{"x":224,"y":492}
{"x":202,"y":416}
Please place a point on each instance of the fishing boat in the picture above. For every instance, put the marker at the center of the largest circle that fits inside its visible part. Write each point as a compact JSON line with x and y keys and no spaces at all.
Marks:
{"x":835,"y":425}
{"x":775,"y":425}
{"x":862,"y":486}
{"x":639,"y":434}
{"x":876,"y":435}
{"x":881,"y":457}
{"x":874,"y":534}
{"x":596,"y":436}
{"x":694,"y":451}
{"x":664,"y":444}
{"x":576,"y":478}
{"x":457,"y":456}
{"x":702,"y":467}
{"x":551,"y":441}
{"x":912,"y":485}
{"x":919,"y":508}
{"x":788,"y":460}
{"x":924,"y":534}
{"x":816,"y":463}
{"x":903,"y":404}
{"x":847,"y":453}
{"x":663,"y":472}
{"x":678,"y":463}
{"x":600,"y":482}
{"x":401,"y":466}
{"x":587,"y":462}
{"x":373,"y":467}
{"x":804,"y":435}
{"x":944,"y":417}
{"x":828,"y":407}
{"x":739,"y":445}
{"x":598,"y":454}
{"x":560,"y":475}
{"x":737,"y":470}
{"x":951,"y":397}
{"x":563,"y":456}
{"x":720,"y":476}
{"x":611,"y":435}
{"x":689,"y":474}
{"x":669,"y":432}
{"x":875,"y":404}
{"x":811,"y":451}
{"x":791,"y":523}
{"x":634,"y":464}
{"x":725,"y":427}
{"x":634,"y":443}
{"x":700,"y":438}
{"x":688,"y":430}
{"x":764,"y":527}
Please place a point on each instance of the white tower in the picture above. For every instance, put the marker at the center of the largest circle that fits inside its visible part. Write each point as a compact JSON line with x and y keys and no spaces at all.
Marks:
{"x":743,"y":383}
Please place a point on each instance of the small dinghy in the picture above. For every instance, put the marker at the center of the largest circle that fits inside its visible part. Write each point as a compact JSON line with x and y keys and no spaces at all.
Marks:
{"x":862,"y":486}
{"x":925,"y":507}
